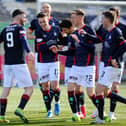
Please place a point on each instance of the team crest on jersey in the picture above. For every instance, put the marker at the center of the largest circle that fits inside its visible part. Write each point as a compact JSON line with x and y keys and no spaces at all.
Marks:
{"x":82,"y":35}
{"x":39,"y":39}
{"x":107,"y":45}
{"x":55,"y":34}
{"x":110,"y":37}
{"x":53,"y":24}
{"x":44,"y":36}
{"x":22,"y":32}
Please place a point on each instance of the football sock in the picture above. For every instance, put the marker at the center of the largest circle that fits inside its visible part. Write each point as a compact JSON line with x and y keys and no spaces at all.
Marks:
{"x":83,"y":110}
{"x":24,"y":100}
{"x":3,"y":105}
{"x":93,"y":98}
{"x":113,"y":103}
{"x":46,"y":97}
{"x":72,"y":101}
{"x":78,"y":102}
{"x":82,"y":103}
{"x":51,"y":95}
{"x":40,"y":86}
{"x":100,"y":106}
{"x":81,"y":98}
{"x":57,"y":95}
{"x":117,"y":97}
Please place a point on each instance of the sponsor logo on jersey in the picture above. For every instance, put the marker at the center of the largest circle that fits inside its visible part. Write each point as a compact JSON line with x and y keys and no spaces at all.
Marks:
{"x":22,"y":32}
{"x":39,"y":39}
{"x":55,"y":34}
{"x":53,"y":24}
{"x":110,"y":37}
{"x":107,"y":45}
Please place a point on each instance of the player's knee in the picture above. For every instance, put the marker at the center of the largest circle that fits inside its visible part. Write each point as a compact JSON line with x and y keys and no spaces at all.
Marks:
{"x":78,"y":89}
{"x":90,"y":94}
{"x":115,"y":89}
{"x":32,"y":90}
{"x":5,"y":93}
{"x":71,"y":87}
{"x":54,"y":85}
{"x":29,"y":90}
{"x":115,"y":86}
{"x":100,"y":89}
{"x":90,"y":91}
{"x":45,"y":86}
{"x":54,"y":88}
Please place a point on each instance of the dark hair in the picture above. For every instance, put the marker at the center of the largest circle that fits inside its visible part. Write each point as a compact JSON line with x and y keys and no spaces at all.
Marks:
{"x":41,"y":15}
{"x":109,"y":15}
{"x":17,"y":12}
{"x":66,"y":23}
{"x":78,"y":12}
{"x":116,"y":9}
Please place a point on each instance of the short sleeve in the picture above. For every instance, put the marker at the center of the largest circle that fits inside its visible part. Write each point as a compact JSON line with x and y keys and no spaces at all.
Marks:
{"x":22,"y":32}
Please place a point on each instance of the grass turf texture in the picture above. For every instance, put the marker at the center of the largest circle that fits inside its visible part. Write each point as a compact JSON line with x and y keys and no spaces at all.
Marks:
{"x":37,"y":116}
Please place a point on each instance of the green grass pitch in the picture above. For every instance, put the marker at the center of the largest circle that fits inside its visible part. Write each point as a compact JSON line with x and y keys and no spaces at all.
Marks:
{"x":37,"y":116}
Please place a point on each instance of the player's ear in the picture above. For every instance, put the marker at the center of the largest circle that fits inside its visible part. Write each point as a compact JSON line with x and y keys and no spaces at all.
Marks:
{"x":71,"y":28}
{"x":19,"y":17}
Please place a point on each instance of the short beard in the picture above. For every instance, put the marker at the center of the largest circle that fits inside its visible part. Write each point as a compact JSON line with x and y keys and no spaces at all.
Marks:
{"x":22,"y":23}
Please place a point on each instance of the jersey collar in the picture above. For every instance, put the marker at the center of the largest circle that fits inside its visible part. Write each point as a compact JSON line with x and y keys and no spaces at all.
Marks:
{"x":50,"y":18}
{"x":49,"y":29}
{"x":82,"y":27}
{"x":13,"y":23}
{"x":112,"y":29}
{"x":118,"y":23}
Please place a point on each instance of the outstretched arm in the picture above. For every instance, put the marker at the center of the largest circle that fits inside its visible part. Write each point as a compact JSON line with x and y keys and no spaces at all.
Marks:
{"x":90,"y":37}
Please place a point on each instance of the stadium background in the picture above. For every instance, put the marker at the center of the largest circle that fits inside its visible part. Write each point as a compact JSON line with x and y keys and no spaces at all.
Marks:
{"x":59,"y":12}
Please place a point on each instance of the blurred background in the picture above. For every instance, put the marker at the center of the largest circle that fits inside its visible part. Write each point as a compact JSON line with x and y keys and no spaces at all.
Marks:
{"x":59,"y":11}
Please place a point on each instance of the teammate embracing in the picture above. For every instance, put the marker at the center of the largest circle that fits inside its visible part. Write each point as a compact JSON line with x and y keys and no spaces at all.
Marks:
{"x":83,"y":70}
{"x":113,"y":48}
{"x":48,"y":65}
{"x":101,"y":33}
{"x":36,"y":28}
{"x":70,"y":60}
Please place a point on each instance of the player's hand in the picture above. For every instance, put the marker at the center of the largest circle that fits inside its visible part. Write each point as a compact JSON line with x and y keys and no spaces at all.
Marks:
{"x":31,"y":55}
{"x":60,"y":47}
{"x":63,"y":34}
{"x":75,"y":38}
{"x":53,"y":49}
{"x":114,"y":63}
{"x":82,"y":32}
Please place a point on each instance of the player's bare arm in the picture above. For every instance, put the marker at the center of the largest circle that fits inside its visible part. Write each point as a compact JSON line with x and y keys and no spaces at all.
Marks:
{"x":53,"y":49}
{"x":30,"y":35}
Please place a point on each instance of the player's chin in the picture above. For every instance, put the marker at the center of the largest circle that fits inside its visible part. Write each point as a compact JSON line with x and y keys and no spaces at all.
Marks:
{"x":23,"y":24}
